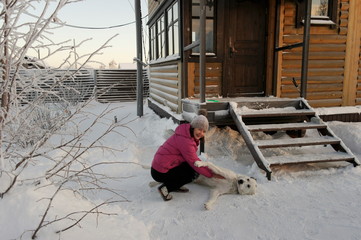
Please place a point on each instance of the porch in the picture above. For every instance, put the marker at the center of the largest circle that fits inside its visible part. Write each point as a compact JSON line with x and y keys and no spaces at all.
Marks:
{"x":271,"y":115}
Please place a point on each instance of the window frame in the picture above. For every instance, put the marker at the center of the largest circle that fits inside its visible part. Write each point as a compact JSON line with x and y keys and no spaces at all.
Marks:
{"x":152,"y":42}
{"x":162,"y":29}
{"x":173,"y":27}
{"x":214,"y":36}
{"x":330,"y":19}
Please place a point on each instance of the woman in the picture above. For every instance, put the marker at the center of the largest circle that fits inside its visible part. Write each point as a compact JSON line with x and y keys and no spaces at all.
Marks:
{"x":173,"y":163}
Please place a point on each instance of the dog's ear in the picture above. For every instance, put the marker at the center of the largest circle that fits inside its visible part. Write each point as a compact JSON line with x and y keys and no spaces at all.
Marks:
{"x":240,"y":181}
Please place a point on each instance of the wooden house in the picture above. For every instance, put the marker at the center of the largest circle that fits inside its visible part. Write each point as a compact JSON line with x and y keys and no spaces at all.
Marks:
{"x":247,"y":54}
{"x":233,"y":55}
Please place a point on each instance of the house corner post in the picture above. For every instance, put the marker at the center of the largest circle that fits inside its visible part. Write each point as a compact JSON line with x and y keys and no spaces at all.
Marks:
{"x":352,"y":57}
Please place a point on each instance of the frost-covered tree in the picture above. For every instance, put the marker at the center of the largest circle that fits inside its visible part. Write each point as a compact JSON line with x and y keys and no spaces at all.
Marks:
{"x":43,"y":104}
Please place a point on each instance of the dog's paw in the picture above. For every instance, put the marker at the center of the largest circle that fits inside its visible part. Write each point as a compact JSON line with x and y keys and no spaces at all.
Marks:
{"x":153,"y":184}
{"x":199,"y":164}
{"x":208,"y":206}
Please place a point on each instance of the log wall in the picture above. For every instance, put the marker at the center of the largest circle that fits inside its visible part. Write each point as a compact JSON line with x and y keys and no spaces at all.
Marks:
{"x":213,"y":79}
{"x":358,"y":95}
{"x":326,"y":58}
{"x":165,"y":84}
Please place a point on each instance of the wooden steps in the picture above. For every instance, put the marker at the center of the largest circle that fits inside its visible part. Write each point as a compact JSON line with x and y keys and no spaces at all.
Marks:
{"x":309,"y":158}
{"x":286,"y":115}
{"x":275,"y":143}
{"x":277,"y":113}
{"x":285,"y":126}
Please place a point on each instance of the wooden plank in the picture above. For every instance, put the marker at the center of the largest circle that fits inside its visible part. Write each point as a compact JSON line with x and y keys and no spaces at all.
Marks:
{"x":263,"y":103}
{"x":270,"y":54}
{"x":285,"y":126}
{"x":315,"y":55}
{"x":315,"y":87}
{"x":165,"y":82}
{"x":309,"y":158}
{"x":294,"y":72}
{"x":344,"y":14}
{"x":345,"y":6}
{"x":315,"y":95}
{"x":279,"y":42}
{"x":325,"y":103}
{"x":322,"y":47}
{"x":291,"y":29}
{"x":331,"y":39}
{"x":165,"y":89}
{"x":191,"y":76}
{"x":316,"y":79}
{"x":164,"y":75}
{"x":275,"y":113}
{"x":352,"y":54}
{"x":165,"y":102}
{"x":293,"y":142}
{"x":166,"y":68}
{"x":169,"y":97}
{"x":314,"y":64}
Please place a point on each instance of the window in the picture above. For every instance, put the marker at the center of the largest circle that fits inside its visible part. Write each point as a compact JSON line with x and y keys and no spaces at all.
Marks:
{"x":153,"y":41}
{"x":210,"y":29}
{"x":173,"y":29}
{"x":161,"y":37}
{"x":319,"y":8}
{"x":164,"y":32}
{"x":323,"y":12}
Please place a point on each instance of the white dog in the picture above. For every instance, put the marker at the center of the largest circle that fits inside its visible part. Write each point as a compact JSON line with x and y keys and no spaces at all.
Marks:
{"x":231,"y":184}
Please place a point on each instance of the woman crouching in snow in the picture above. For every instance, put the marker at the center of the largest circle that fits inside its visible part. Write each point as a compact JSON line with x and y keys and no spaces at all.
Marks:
{"x":173,"y":163}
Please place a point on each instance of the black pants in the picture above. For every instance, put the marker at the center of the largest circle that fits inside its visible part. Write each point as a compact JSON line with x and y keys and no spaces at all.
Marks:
{"x":175,"y":177}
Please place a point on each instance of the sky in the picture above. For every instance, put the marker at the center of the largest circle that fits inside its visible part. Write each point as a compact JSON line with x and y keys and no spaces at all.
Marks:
{"x":95,"y":14}
{"x":306,"y":201}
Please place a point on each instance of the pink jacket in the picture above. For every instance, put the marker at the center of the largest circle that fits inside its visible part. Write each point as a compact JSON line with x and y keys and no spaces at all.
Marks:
{"x":180,"y":147}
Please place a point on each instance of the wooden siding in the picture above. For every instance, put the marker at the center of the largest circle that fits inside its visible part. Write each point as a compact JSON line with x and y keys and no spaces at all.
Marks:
{"x":153,"y":5}
{"x":327,"y":59}
{"x":352,"y":54}
{"x":213,"y":79}
{"x":164,"y":81}
{"x":358,"y":95}
{"x":358,"y":87}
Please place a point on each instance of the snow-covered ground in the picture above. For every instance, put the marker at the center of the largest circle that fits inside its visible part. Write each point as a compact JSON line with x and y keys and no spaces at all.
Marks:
{"x":316,"y":201}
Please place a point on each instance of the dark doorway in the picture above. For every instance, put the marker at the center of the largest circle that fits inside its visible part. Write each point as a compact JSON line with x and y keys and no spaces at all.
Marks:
{"x":245,"y":45}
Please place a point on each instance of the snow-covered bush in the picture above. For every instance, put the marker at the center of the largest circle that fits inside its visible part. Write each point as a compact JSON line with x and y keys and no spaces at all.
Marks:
{"x":44,"y":128}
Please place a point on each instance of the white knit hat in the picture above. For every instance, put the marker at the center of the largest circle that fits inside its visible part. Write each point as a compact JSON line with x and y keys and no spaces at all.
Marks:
{"x":200,"y":122}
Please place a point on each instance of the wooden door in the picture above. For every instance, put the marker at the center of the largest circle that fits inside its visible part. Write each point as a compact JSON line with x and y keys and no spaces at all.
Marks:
{"x":244,"y":66}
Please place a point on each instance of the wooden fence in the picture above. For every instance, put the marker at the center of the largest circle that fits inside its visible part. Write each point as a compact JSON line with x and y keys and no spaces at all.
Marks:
{"x":78,"y":85}
{"x":118,"y":85}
